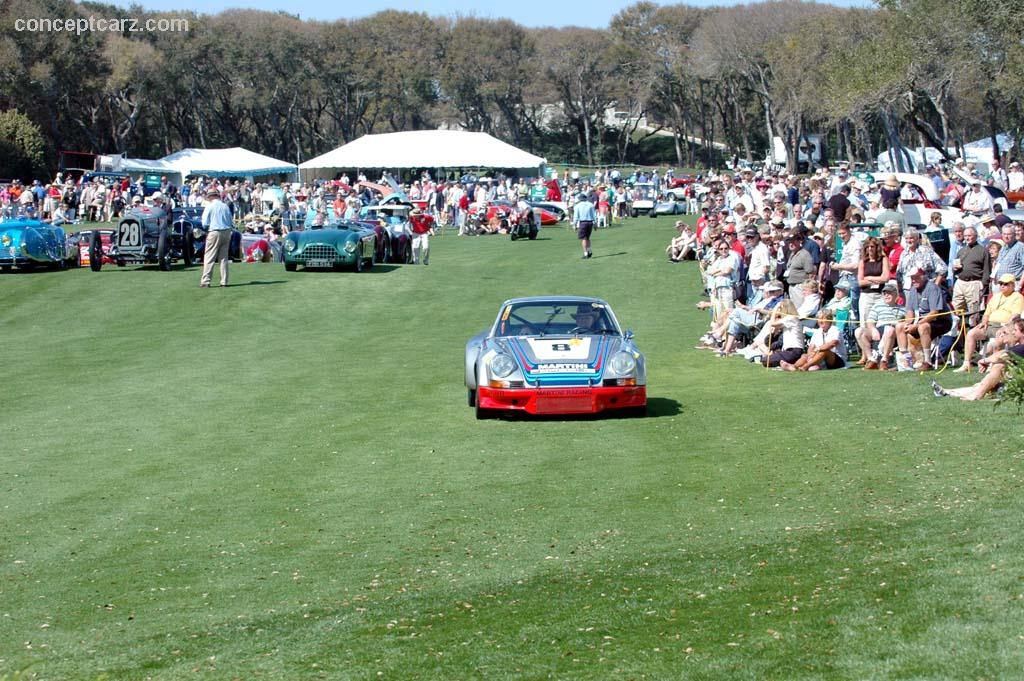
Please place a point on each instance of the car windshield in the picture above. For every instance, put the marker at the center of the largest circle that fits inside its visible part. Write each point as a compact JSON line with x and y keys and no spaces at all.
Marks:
{"x":552,"y":318}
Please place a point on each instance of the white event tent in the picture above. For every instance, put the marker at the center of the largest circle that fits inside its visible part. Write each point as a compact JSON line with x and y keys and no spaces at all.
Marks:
{"x":233,"y":162}
{"x":422,"y":149}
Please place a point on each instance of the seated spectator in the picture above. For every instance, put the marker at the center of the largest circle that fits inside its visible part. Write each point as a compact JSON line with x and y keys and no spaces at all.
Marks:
{"x":880,"y":327}
{"x":810,"y":303}
{"x":826,"y":350}
{"x":994,"y":366}
{"x":784,"y":341}
{"x":682,"y":245}
{"x":1001,"y":308}
{"x":841,"y":304}
{"x":742,"y":319}
{"x":926,"y":318}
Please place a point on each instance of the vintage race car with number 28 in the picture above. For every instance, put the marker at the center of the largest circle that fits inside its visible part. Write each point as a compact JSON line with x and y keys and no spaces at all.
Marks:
{"x":555,"y":355}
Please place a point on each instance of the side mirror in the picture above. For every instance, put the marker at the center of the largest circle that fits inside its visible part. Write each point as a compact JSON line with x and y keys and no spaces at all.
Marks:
{"x":629,"y":334}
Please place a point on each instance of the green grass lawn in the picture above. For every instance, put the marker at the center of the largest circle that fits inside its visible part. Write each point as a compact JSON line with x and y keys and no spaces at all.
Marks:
{"x":282,"y":479}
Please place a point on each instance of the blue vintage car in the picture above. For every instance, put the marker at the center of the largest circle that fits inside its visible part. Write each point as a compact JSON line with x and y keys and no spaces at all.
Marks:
{"x":26,"y":243}
{"x":328,"y":243}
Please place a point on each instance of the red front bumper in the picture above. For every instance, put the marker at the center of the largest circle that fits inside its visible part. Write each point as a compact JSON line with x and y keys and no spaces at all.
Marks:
{"x":562,"y":400}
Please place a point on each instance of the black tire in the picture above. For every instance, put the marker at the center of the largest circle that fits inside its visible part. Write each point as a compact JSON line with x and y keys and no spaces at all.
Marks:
{"x":533,"y":234}
{"x":513,"y":235}
{"x":290,"y":266}
{"x":634,"y":213}
{"x":408,"y":253}
{"x":471,"y":397}
{"x":482,"y":414}
{"x":358,"y":266}
{"x":188,"y":251}
{"x":95,"y":251}
{"x":652,"y":214}
{"x":163,"y":250}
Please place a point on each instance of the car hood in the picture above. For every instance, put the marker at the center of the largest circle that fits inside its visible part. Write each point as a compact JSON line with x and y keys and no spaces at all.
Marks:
{"x":322,"y":236}
{"x":560,"y":360}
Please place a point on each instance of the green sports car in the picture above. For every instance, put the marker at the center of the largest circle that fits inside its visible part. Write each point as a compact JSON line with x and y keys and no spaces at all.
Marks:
{"x":332,"y":245}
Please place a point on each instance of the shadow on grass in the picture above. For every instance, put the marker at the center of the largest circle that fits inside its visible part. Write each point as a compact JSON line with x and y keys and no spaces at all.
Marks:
{"x":257,"y":283}
{"x":378,"y":267}
{"x":610,"y":255}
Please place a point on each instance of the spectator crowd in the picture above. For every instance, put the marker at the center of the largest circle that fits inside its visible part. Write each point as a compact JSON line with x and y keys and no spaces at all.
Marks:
{"x":824,"y":272}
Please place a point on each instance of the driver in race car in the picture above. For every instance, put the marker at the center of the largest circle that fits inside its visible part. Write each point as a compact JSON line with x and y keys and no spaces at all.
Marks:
{"x":586,"y":318}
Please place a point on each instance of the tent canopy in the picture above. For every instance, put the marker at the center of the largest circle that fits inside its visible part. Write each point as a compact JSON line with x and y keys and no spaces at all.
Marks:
{"x":141,"y":165}
{"x":425,"y":149}
{"x":233,"y":162}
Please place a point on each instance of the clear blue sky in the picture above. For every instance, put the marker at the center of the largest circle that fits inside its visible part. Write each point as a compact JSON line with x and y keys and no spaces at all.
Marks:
{"x":532,"y":13}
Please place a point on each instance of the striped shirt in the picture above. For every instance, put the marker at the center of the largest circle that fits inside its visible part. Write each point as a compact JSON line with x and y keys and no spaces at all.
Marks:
{"x":883,"y":314}
{"x":1011,"y":259}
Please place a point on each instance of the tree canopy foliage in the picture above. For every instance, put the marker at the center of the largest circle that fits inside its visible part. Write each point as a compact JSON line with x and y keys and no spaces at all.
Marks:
{"x":914,"y":72}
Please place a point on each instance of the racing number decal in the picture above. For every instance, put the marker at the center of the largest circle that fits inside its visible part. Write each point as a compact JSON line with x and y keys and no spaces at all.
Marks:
{"x":129,"y":235}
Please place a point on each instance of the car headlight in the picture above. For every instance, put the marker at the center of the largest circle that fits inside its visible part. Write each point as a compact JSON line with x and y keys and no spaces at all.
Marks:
{"x":623,"y":363}
{"x":289,"y":245}
{"x":350,"y":246}
{"x":502,"y":365}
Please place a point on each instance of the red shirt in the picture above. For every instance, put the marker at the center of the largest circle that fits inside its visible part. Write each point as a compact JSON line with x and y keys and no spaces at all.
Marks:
{"x":421,"y":224}
{"x":894,"y":254}
{"x":702,"y":223}
{"x":737,"y":246}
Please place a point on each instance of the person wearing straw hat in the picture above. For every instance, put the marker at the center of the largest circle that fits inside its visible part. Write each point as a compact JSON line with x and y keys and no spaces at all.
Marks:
{"x":890,"y":189}
{"x":217,"y":222}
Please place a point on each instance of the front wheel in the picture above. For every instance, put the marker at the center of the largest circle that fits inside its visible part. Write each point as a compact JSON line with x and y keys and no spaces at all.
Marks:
{"x":188,"y":255}
{"x":408,"y":253}
{"x":358,"y":267}
{"x":163,"y":248}
{"x":634,"y":213}
{"x":95,"y":252}
{"x":471,"y":397}
{"x":290,"y":266}
{"x":533,"y":234}
{"x":482,"y":414}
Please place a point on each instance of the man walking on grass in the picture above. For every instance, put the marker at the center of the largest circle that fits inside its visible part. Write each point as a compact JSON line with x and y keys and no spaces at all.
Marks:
{"x":217,"y":222}
{"x":583,"y":217}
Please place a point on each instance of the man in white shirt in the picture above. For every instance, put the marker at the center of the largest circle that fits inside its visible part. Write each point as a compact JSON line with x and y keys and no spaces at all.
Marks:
{"x":1015,"y":177}
{"x":760,"y":261}
{"x":977,"y":201}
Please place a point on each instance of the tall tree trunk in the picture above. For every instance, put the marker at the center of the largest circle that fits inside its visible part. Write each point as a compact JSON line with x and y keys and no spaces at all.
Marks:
{"x":849,"y":142}
{"x":993,"y":122}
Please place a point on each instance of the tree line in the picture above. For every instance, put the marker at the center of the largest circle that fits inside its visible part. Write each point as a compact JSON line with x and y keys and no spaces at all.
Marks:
{"x":907,"y":72}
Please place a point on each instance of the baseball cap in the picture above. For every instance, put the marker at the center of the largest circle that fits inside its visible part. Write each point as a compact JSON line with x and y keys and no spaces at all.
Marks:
{"x":752,"y":232}
{"x":890,"y":287}
{"x":774,"y":285}
{"x":844,"y":286}
{"x":1007,"y":278}
{"x":919,"y":272}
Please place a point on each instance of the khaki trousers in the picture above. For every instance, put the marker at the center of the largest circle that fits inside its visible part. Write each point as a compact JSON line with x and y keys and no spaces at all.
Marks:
{"x":218,"y":245}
